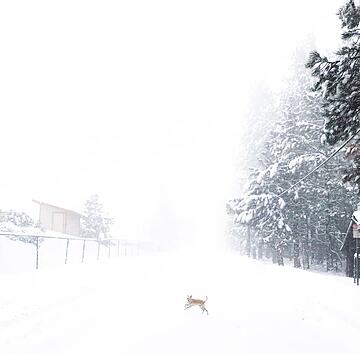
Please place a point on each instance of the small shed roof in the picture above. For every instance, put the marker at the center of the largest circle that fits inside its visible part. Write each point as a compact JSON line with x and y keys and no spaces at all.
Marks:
{"x":59,"y":207}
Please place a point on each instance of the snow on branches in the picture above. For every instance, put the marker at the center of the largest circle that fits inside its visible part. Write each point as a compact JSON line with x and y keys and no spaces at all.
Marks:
{"x":307,"y":221}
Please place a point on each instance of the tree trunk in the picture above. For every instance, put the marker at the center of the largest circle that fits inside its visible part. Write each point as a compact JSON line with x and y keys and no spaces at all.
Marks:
{"x":329,"y":255}
{"x":306,"y":245}
{"x":279,"y":256}
{"x":274,"y":255}
{"x":328,"y":248}
{"x":254,"y":252}
{"x":306,"y":255}
{"x":260,"y":248}
{"x":248,"y":242}
{"x":268,"y":251}
{"x":297,"y":263}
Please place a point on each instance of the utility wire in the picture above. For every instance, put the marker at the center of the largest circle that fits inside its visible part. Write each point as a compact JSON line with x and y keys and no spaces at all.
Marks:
{"x":322,"y":164}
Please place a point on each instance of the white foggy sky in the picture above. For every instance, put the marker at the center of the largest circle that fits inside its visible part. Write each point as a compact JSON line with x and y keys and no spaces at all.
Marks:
{"x":138,"y":101}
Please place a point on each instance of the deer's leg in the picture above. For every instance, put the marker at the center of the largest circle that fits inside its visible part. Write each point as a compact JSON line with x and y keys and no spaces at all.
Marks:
{"x":204,"y":309}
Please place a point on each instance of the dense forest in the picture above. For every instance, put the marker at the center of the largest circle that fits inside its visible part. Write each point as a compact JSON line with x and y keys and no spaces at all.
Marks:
{"x":309,"y":121}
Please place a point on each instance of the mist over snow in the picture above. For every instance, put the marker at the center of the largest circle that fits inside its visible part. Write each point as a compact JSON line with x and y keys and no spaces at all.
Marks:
{"x":159,"y":111}
{"x":140,"y":102}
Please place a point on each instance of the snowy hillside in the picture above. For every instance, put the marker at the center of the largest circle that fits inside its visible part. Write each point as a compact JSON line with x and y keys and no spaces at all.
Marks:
{"x":136,"y":305}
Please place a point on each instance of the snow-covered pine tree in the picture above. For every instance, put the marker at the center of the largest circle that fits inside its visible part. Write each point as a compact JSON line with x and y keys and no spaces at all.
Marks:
{"x":95,"y":224}
{"x":338,"y":80}
{"x":258,"y":120}
{"x":287,"y":141}
{"x":262,"y":211}
{"x":298,"y":153}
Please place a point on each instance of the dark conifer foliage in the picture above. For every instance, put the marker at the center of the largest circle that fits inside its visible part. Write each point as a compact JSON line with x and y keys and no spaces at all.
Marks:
{"x":338,"y":82}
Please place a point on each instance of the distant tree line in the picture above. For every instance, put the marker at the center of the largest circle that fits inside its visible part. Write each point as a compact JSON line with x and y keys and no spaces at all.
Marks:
{"x":317,"y":111}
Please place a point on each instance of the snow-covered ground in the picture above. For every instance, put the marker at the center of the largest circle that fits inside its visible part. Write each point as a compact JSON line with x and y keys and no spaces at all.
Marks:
{"x":136,"y":305}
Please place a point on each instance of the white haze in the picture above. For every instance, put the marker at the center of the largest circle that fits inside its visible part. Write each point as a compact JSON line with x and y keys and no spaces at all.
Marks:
{"x":140,"y":102}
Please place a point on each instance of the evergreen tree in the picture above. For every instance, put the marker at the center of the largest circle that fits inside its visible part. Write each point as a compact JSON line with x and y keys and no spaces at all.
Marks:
{"x":338,"y":80}
{"x":258,"y":120}
{"x":95,"y":224}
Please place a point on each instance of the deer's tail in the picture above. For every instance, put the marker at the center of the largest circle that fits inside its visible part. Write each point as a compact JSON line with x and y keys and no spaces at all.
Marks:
{"x":205,"y":299}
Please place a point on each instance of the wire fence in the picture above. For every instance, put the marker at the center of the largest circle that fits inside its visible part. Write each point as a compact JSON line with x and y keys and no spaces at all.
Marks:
{"x":89,"y":249}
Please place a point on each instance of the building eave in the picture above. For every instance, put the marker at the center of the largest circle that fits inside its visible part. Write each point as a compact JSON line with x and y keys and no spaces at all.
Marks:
{"x":58,"y":207}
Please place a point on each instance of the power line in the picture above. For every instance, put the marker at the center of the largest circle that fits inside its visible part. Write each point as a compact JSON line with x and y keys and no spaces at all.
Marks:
{"x":322,"y":164}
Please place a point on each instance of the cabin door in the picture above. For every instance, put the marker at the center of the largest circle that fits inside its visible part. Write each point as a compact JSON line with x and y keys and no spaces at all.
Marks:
{"x":58,"y":222}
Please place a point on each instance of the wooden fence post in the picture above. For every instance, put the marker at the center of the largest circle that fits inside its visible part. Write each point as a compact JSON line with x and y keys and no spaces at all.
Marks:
{"x":37,"y":252}
{"x":83,"y":252}
{"x":67,"y":249}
